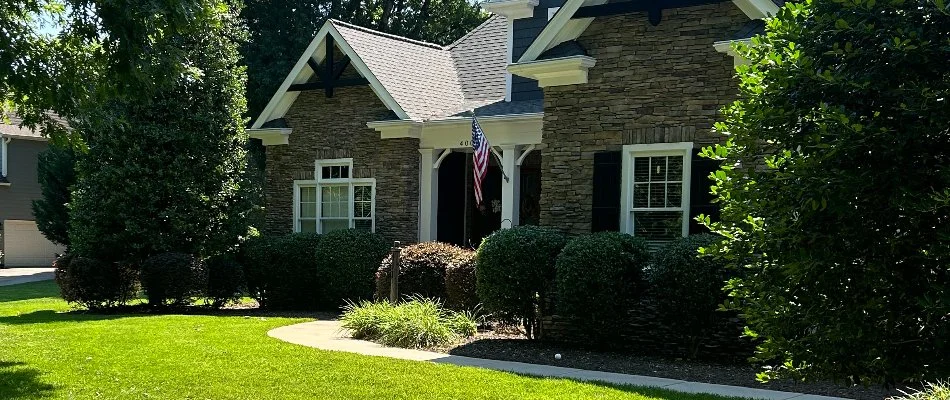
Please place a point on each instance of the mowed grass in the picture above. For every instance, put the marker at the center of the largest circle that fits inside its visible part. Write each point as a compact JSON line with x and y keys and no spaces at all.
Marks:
{"x":49,"y":351}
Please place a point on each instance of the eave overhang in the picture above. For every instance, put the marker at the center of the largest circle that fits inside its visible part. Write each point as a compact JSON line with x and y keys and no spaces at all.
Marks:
{"x":271,"y":136}
{"x":728,"y":47}
{"x":511,"y":9}
{"x":556,"y":71}
{"x":455,"y":132}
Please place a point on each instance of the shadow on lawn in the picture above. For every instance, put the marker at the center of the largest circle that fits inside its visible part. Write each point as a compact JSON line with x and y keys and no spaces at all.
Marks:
{"x":49,"y":316}
{"x":22,"y":382}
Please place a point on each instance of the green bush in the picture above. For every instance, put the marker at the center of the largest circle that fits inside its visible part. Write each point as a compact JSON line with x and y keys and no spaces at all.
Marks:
{"x":515,"y":273}
{"x":417,"y":323}
{"x":172,"y":278}
{"x":225,"y":280}
{"x":93,"y":283}
{"x":282,"y":271}
{"x":599,"y":280}
{"x":687,"y":288}
{"x":460,"y":292}
{"x":348,"y":260}
{"x":932,"y":391}
{"x":422,"y":269}
{"x":835,"y":190}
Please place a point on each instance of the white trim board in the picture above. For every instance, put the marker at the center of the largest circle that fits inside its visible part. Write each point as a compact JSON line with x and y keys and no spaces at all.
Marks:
{"x":282,"y":100}
{"x":564,"y":27}
{"x":654,"y":149}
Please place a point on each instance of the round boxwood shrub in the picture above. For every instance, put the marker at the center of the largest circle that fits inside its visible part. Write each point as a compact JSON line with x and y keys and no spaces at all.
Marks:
{"x":599,"y":280}
{"x":422,"y":269}
{"x":348,"y":263}
{"x":225,"y":280}
{"x":93,"y":283}
{"x":460,"y":282}
{"x":282,"y":271}
{"x":687,"y":289}
{"x":172,"y":278}
{"x":515,"y":273}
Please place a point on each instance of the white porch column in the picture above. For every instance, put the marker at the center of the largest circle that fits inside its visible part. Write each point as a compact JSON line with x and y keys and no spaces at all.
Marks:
{"x":428,"y":195}
{"x":510,"y":189}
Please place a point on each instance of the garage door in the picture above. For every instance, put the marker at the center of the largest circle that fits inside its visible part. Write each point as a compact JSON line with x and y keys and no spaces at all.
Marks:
{"x":25,"y":246}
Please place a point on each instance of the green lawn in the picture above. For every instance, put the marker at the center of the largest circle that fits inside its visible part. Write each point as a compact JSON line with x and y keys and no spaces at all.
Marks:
{"x":48,"y":351}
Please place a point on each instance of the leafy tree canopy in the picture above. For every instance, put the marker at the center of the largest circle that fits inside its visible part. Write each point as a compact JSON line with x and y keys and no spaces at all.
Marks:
{"x":280,"y":30}
{"x":834,"y":191}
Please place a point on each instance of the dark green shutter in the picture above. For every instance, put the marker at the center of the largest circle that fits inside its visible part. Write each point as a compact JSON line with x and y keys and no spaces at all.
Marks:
{"x":699,"y":197}
{"x":606,"y":195}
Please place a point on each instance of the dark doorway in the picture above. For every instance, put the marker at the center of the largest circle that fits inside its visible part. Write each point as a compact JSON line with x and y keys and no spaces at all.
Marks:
{"x":460,"y":221}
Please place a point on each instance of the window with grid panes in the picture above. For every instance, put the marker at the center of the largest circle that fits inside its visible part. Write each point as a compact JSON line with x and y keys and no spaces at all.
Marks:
{"x":657,"y":176}
{"x":335,"y":200}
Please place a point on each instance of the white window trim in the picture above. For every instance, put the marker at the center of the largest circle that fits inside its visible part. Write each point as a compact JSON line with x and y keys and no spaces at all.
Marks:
{"x":350,"y":182}
{"x":4,"y":141}
{"x":684,"y":149}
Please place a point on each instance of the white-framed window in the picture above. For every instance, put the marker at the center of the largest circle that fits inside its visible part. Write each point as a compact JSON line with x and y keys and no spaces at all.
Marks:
{"x":655,"y":191}
{"x":335,"y":200}
{"x":3,"y":156}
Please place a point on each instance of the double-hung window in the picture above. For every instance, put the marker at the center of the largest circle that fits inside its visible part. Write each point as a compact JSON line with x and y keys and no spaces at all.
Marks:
{"x":655,"y":195}
{"x":334,"y":200}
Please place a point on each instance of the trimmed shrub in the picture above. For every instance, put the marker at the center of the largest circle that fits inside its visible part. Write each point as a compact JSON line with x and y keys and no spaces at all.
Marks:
{"x":282,"y":271}
{"x":348,"y":263}
{"x":687,"y":288}
{"x":172,"y":278}
{"x":422,"y":269}
{"x":515,"y":273}
{"x":417,"y":323}
{"x":225,"y":280}
{"x":460,"y":293}
{"x":599,"y":280}
{"x":93,"y":283}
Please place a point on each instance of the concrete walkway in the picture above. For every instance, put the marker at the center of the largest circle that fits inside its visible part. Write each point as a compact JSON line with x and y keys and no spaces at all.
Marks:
{"x":14,"y":276}
{"x":328,"y":335}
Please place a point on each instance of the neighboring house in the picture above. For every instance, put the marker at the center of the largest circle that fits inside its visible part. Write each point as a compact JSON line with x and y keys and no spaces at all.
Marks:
{"x":21,"y":242}
{"x":596,"y":111}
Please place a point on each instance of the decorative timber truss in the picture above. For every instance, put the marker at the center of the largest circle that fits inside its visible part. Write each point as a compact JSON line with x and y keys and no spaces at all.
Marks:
{"x":653,"y":8}
{"x":329,"y":73}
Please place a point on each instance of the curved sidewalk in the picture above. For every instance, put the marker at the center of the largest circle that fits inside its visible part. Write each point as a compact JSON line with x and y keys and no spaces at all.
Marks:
{"x":328,"y":335}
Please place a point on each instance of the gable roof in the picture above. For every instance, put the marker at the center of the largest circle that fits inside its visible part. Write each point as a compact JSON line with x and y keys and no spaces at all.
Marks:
{"x":563,"y":27}
{"x":416,"y":80}
{"x":14,"y":128}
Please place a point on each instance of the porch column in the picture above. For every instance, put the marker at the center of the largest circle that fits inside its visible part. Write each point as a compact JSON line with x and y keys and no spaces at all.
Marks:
{"x":428,"y":195}
{"x":510,"y":189}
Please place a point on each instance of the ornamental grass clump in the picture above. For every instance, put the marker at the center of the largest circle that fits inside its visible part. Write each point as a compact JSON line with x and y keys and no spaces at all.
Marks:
{"x":939,"y":390}
{"x":416,"y":323}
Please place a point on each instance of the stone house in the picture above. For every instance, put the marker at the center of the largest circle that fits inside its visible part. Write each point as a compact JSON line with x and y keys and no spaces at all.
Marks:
{"x":21,"y":242}
{"x":595,"y":110}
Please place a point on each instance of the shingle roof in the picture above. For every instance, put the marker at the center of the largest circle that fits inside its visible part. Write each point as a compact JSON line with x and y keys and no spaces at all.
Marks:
{"x":430,"y":81}
{"x":502,"y":107}
{"x":749,"y":29}
{"x":14,"y":130}
{"x":566,"y":49}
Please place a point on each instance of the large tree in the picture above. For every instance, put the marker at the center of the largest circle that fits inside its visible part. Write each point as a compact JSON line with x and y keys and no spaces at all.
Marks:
{"x":835,"y":191}
{"x":61,"y":55}
{"x":280,"y":30}
{"x":163,"y":173}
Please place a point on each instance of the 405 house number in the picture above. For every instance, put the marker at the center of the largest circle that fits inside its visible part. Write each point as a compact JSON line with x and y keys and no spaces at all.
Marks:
{"x":465,"y":143}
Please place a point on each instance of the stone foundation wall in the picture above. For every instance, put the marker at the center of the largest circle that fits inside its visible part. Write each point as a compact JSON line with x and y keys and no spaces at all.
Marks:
{"x":325,"y":128}
{"x":650,"y":84}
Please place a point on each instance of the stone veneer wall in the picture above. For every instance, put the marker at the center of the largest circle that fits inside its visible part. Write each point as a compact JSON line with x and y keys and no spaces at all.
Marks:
{"x":650,"y":84}
{"x":325,"y":128}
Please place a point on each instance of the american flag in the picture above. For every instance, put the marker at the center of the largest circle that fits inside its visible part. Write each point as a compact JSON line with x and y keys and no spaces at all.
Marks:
{"x":481,"y":147}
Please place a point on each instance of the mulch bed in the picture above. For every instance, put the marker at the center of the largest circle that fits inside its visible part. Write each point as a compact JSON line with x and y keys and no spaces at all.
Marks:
{"x":513,"y":347}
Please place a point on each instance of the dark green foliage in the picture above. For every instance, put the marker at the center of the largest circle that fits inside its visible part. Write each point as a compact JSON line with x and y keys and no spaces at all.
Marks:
{"x":599,"y":280}
{"x":281,"y":30}
{"x":348,"y":260}
{"x":834,"y":192}
{"x":282,"y":271}
{"x":164,"y":172}
{"x":172,"y":278}
{"x":56,"y":171}
{"x":94,"y":284}
{"x":687,"y":288}
{"x":515,"y":273}
{"x":460,"y":284}
{"x":422,"y":269}
{"x":225,"y":280}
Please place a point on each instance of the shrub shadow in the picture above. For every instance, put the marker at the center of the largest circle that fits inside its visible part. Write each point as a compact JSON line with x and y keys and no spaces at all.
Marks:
{"x":50,"y":316}
{"x":19,"y":381}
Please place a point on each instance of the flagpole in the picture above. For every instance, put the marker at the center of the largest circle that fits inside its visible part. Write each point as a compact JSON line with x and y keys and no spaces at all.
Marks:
{"x":501,"y":166}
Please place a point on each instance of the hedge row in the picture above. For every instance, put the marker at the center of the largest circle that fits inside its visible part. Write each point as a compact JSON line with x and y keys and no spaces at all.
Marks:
{"x":598,"y":281}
